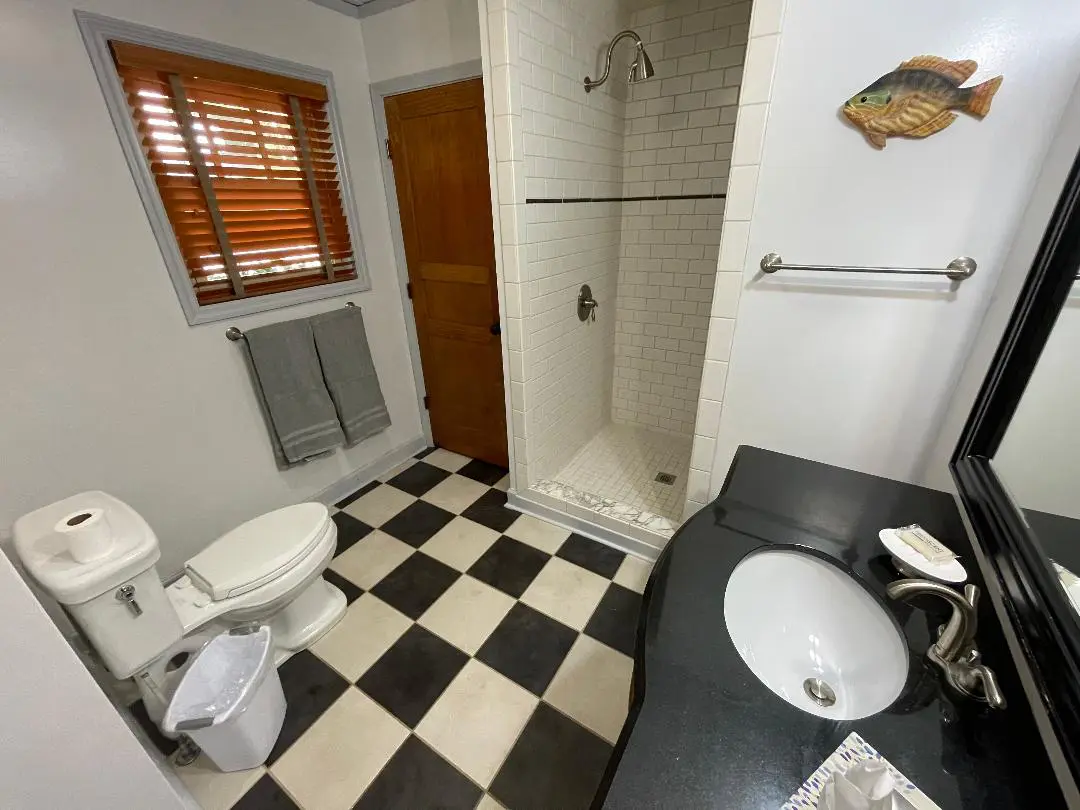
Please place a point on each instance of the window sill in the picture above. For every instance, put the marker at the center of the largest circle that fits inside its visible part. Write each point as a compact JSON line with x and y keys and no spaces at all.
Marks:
{"x":264,"y":303}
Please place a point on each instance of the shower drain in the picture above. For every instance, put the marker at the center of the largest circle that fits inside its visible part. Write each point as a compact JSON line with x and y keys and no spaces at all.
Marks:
{"x":665,"y":478}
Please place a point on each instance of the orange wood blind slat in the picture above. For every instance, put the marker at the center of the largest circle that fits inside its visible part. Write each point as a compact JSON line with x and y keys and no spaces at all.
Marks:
{"x":243,"y":123}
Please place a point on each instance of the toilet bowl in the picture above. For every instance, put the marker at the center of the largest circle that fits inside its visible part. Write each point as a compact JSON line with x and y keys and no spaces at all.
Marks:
{"x":266,"y":571}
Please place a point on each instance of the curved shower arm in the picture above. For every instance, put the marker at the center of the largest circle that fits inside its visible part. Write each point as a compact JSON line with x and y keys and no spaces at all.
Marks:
{"x":589,"y":83}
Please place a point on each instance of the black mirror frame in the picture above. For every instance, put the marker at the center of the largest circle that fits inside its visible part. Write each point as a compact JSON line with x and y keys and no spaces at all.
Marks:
{"x":1038,"y":609}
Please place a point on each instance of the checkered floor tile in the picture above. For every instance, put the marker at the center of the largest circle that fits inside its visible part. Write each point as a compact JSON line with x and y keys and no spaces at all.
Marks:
{"x":483,"y":662}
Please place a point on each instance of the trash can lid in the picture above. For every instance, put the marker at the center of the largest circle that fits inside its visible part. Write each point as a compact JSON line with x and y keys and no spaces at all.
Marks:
{"x":221,"y":680}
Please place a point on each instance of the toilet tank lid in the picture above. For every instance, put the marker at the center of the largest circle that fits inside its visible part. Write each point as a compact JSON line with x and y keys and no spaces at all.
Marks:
{"x":44,"y":551}
{"x":257,"y":551}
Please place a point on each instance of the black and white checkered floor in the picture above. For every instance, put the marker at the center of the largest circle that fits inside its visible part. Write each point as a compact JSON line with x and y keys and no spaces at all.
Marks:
{"x":484,"y":660}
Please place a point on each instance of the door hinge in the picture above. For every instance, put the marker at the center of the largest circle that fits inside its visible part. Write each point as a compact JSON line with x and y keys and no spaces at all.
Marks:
{"x":427,"y":402}
{"x":389,"y":153}
{"x":408,"y":288}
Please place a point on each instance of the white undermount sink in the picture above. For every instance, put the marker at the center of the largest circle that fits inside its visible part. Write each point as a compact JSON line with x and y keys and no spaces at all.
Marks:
{"x":813,"y":635}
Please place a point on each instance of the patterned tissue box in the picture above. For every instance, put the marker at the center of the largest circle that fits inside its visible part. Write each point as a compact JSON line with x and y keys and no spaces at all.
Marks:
{"x":852,"y":751}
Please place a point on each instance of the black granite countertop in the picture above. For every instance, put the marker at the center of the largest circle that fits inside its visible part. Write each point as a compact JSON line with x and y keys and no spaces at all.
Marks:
{"x":703,"y":732}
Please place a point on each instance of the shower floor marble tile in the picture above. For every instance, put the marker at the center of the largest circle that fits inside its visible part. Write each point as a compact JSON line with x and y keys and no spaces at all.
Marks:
{"x":493,"y":672}
{"x":620,"y":464}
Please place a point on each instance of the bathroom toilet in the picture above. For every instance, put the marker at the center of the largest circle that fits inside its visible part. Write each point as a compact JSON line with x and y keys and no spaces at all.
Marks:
{"x":266,"y":571}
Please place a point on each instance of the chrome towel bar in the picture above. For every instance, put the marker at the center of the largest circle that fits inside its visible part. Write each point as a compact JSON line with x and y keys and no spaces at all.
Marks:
{"x":232,"y":333}
{"x":957,"y":270}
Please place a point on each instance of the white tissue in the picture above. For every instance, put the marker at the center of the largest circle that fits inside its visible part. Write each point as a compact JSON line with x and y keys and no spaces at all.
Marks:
{"x":88,"y":533}
{"x":864,"y":786}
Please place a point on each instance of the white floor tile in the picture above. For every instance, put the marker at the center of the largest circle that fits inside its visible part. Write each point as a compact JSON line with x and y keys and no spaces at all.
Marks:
{"x":488,"y":803}
{"x":379,"y":505}
{"x":455,"y":494}
{"x":621,"y":462}
{"x":371,"y":559}
{"x":460,"y":543}
{"x":467,"y":613}
{"x":566,"y":592}
{"x":339,"y":756}
{"x":445,"y":459}
{"x":477,"y":720}
{"x":211,"y":788}
{"x":633,"y":573}
{"x":593,"y":687}
{"x":367,"y":630}
{"x":503,"y":485}
{"x":538,"y":533}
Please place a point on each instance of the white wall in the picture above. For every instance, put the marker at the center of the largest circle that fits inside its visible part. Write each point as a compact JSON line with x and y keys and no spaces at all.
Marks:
{"x":419,"y":36}
{"x":853,"y":370}
{"x":106,"y":386}
{"x":64,"y":744}
{"x":679,"y":131}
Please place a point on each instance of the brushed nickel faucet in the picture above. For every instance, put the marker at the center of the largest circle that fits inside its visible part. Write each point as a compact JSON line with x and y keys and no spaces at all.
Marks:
{"x":954,"y":652}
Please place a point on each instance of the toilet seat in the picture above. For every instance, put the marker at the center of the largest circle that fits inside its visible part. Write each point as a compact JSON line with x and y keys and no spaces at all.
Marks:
{"x":278,"y":566}
{"x":258,"y":551}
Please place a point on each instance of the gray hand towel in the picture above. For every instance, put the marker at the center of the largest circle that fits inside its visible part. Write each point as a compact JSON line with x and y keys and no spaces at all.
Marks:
{"x":350,"y":373}
{"x":288,"y":379}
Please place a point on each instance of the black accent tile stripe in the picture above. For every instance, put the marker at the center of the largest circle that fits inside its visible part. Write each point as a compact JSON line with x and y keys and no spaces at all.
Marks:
{"x":533,"y":200}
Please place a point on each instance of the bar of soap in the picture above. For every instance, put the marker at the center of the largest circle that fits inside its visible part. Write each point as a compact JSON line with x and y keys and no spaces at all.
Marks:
{"x":925,"y":543}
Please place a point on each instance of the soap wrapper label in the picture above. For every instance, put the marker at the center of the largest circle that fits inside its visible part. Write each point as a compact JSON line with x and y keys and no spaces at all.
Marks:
{"x":925,"y":543}
{"x":857,"y":777}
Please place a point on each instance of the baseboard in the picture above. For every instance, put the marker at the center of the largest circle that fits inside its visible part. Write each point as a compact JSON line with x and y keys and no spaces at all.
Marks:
{"x":369,"y":472}
{"x":534,"y":503}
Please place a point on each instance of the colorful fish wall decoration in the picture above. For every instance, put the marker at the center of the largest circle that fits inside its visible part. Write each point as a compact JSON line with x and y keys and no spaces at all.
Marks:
{"x":915,"y":99}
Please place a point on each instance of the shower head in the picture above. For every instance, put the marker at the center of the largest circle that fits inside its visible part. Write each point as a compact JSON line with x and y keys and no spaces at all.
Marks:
{"x":640,"y":69}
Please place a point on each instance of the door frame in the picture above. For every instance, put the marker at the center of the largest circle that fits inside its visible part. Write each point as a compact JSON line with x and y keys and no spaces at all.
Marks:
{"x":473,"y":69}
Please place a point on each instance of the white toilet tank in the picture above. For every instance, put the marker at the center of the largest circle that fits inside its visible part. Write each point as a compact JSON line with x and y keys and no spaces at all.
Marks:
{"x":115,"y":597}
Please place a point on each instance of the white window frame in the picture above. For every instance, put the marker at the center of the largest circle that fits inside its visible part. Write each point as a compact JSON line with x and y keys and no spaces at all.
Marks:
{"x":96,"y":31}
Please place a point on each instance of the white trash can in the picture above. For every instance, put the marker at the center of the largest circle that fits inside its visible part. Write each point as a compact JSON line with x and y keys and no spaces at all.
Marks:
{"x":230,"y":700}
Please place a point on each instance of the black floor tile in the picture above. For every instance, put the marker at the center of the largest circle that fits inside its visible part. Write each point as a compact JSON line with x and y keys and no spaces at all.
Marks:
{"x":351,"y":590}
{"x":598,"y":558}
{"x":364,"y":490}
{"x":490,"y":510}
{"x":412,"y":674}
{"x":414,"y":585}
{"x":416,"y":777}
{"x":164,"y":744}
{"x":555,"y":763}
{"x":424,"y":453}
{"x":418,"y":479}
{"x":527,"y":647}
{"x":310,"y":687}
{"x":483,"y":472}
{"x":509,"y":565}
{"x":615,"y":619}
{"x":417,"y":522}
{"x":265,"y":795}
{"x":349,"y":530}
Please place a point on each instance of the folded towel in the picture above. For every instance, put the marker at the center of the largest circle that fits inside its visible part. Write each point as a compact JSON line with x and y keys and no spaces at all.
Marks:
{"x":288,"y":379}
{"x":350,"y":373}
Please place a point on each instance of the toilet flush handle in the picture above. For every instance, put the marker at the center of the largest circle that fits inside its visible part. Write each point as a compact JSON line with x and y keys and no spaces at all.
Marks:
{"x":126,"y":594}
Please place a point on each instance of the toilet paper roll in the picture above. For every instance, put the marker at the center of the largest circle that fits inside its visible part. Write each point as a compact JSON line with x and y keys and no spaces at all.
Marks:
{"x":88,"y":533}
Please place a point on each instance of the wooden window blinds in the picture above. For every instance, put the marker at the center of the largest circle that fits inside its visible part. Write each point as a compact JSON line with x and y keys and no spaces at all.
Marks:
{"x":245,"y":165}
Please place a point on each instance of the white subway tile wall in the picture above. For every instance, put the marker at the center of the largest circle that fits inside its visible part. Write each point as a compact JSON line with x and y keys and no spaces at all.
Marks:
{"x":571,"y":147}
{"x":679,"y":132}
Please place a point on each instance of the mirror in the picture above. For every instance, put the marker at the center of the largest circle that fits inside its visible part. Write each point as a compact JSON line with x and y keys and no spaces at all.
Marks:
{"x":1039,"y":456}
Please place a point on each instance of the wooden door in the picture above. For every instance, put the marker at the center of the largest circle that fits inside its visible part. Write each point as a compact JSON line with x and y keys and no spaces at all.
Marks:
{"x":438,"y":146}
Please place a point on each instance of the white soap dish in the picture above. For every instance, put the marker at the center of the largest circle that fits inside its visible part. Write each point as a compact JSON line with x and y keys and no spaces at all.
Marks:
{"x":913,"y":564}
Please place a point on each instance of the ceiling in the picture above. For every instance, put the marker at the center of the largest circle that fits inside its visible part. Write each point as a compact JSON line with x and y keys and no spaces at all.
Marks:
{"x":360,"y":8}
